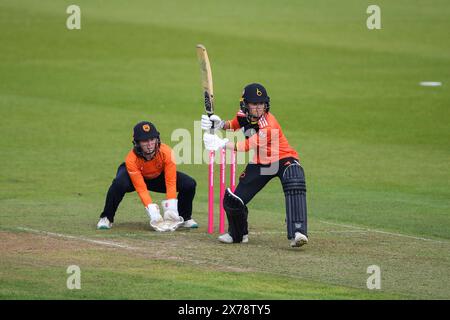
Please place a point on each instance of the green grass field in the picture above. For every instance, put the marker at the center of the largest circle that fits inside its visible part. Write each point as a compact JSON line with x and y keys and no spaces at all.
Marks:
{"x":374,"y":144}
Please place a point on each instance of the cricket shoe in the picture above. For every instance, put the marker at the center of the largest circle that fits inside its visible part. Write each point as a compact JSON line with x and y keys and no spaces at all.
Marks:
{"x":299,"y":240}
{"x":226,"y":238}
{"x":190,"y":224}
{"x":104,"y":223}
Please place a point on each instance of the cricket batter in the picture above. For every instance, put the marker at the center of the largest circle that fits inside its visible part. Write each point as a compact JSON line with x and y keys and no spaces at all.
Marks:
{"x":274,"y":157}
{"x":150,"y":166}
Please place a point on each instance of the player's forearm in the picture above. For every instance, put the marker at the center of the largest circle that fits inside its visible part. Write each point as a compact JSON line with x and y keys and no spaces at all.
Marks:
{"x":145,"y":197}
{"x":170,"y":173}
{"x":226,"y":125}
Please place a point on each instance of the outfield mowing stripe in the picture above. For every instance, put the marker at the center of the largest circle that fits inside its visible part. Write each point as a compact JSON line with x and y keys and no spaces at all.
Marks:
{"x":384,"y":232}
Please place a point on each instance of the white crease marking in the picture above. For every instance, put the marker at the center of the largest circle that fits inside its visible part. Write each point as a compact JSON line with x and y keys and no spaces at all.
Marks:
{"x":60,"y":235}
{"x":384,"y":232}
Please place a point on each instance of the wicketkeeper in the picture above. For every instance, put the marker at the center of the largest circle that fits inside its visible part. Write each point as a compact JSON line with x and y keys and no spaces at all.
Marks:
{"x":150,"y":166}
{"x":274,"y":157}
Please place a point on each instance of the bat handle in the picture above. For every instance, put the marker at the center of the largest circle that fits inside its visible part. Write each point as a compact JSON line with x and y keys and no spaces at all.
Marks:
{"x":211,"y":131}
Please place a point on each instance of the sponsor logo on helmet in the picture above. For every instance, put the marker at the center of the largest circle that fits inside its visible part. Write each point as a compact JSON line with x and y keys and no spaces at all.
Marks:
{"x":258,"y":92}
{"x":146,"y":127}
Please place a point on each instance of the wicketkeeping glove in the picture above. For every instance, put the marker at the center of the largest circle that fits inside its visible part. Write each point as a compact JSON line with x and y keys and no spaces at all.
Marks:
{"x":153,"y":212}
{"x":170,"y":208}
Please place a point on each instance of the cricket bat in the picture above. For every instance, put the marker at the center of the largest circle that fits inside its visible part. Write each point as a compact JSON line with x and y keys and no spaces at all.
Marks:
{"x":208,"y":93}
{"x":207,"y":81}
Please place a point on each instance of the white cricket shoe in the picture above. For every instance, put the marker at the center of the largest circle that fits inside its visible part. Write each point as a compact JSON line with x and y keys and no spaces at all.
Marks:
{"x":190,"y":224}
{"x":299,"y":240}
{"x":226,"y":238}
{"x":104,"y":223}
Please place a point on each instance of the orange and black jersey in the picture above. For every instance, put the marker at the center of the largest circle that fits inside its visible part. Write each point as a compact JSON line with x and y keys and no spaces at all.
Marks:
{"x":139,"y":169}
{"x":265,"y":137}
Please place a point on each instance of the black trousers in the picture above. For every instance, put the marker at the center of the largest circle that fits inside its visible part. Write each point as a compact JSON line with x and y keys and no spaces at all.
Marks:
{"x":256,"y":176}
{"x":122,"y":184}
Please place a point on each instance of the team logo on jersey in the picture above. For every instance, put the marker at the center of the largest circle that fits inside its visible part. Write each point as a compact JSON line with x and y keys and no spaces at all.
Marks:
{"x":146,"y":127}
{"x":258,"y":92}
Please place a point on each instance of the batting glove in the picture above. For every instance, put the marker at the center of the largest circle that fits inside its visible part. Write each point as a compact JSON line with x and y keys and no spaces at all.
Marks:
{"x":209,"y":122}
{"x":213,"y":142}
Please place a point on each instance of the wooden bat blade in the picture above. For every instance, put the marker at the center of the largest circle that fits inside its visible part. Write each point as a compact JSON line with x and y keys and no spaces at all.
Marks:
{"x":206,"y":77}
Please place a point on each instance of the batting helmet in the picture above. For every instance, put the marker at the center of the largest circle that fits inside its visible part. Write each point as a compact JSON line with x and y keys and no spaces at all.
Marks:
{"x":254,"y":93}
{"x":144,"y":130}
